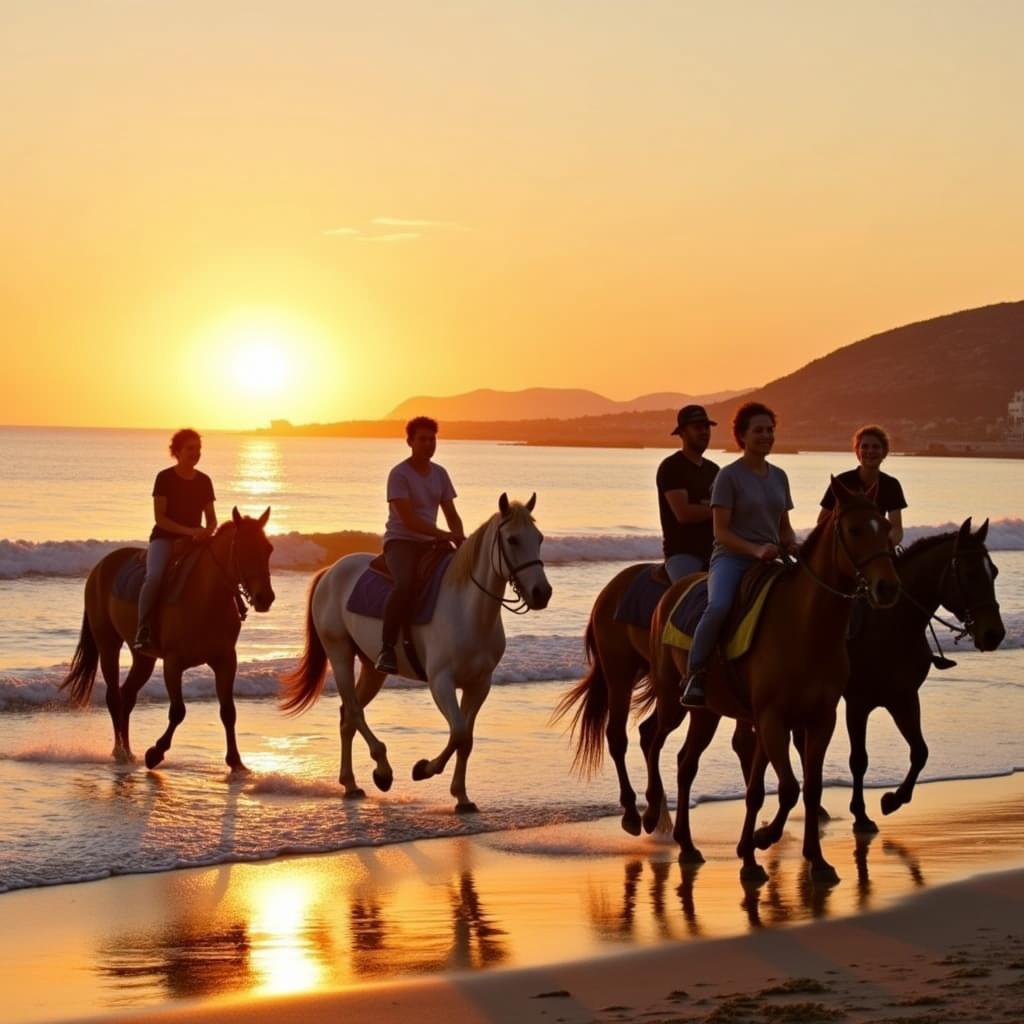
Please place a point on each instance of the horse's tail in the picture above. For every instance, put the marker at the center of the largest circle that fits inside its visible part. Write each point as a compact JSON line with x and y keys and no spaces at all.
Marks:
{"x":591,"y":717}
{"x":645,"y":695}
{"x":82,"y":674}
{"x":302,"y":687}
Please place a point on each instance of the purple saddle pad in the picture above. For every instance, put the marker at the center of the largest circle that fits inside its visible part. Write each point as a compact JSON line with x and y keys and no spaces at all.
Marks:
{"x":370,"y":594}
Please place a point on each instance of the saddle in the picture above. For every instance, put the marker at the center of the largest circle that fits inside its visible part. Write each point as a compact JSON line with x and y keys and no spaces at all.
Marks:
{"x":740,"y":627}
{"x":129,"y":578}
{"x":637,"y":604}
{"x":425,"y":568}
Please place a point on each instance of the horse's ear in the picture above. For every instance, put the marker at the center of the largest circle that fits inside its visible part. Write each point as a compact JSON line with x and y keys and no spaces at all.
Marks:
{"x":982,"y":533}
{"x":236,"y":516}
{"x":263,"y":518}
{"x":503,"y":505}
{"x":963,"y":534}
{"x":840,"y":490}
{"x":532,"y":503}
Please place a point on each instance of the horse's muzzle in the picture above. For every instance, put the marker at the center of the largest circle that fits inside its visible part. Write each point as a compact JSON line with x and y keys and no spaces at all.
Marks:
{"x":540,"y":595}
{"x":885,"y":593}
{"x":261,"y":602}
{"x":989,"y":638}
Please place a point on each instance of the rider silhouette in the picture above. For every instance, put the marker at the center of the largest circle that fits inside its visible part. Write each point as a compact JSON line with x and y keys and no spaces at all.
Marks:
{"x":417,"y":488}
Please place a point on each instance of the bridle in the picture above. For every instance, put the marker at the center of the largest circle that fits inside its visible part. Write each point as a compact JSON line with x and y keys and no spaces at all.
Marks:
{"x":232,"y":577}
{"x":863,"y":587}
{"x":519,"y":605}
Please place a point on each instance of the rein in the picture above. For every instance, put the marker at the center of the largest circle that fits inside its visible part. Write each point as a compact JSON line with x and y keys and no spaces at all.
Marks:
{"x":518,"y":605}
{"x":239,"y":591}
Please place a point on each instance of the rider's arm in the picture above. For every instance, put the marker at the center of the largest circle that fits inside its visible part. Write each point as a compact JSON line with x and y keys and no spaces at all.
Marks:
{"x":403,"y":506}
{"x":895,"y":516}
{"x":733,"y":541}
{"x":787,"y":535}
{"x":685,"y":511}
{"x":165,"y":523}
{"x":453,"y":520}
{"x":211,"y":517}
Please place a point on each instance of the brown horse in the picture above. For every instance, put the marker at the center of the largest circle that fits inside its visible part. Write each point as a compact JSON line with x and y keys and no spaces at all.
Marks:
{"x":201,"y":628}
{"x":791,"y":678}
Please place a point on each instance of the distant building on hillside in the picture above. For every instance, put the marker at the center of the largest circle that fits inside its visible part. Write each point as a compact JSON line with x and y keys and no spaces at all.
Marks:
{"x":1015,"y":417}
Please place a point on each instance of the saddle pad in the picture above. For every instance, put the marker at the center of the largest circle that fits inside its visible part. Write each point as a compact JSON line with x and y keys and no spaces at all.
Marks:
{"x":682,"y":622}
{"x":637,"y":604}
{"x":370,"y":594}
{"x":129,"y":578}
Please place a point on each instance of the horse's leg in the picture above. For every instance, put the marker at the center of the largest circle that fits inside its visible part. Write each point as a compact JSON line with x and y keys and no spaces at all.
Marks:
{"x":367,"y":687}
{"x":773,"y":737}
{"x":857,"y":728}
{"x":818,"y":738}
{"x":669,"y":716}
{"x":352,"y":719}
{"x":907,"y":716}
{"x":175,"y":713}
{"x":472,"y":700}
{"x":744,"y":743}
{"x":702,"y":729}
{"x":751,"y":871}
{"x":110,"y":654}
{"x":620,"y":676}
{"x":799,"y":743}
{"x":442,"y":689}
{"x":224,"y":669}
{"x":138,"y":675}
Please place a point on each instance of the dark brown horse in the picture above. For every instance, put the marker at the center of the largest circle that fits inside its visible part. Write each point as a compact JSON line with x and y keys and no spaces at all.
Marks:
{"x":201,"y":628}
{"x":791,"y":678}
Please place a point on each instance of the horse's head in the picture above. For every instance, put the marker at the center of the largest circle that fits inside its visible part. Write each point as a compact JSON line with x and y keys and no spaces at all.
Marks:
{"x":863,"y":548}
{"x":252,"y":558}
{"x":968,"y":588}
{"x":519,"y":545}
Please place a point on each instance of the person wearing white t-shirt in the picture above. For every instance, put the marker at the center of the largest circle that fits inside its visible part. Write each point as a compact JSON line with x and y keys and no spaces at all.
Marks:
{"x":417,"y":489}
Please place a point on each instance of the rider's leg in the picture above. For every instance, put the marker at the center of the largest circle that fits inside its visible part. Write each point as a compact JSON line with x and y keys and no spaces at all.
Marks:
{"x":402,"y":557}
{"x":157,"y":557}
{"x":724,"y":578}
{"x":678,"y":566}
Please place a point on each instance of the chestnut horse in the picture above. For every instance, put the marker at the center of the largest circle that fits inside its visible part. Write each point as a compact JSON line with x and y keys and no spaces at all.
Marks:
{"x":200,"y":628}
{"x":791,"y":678}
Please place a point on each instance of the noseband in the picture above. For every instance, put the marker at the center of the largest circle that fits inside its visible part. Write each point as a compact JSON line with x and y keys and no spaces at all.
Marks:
{"x":233,"y":578}
{"x":966,"y":624}
{"x":519,"y":606}
{"x":863,"y":588}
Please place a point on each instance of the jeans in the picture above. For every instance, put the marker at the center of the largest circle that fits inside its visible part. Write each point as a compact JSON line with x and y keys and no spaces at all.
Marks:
{"x":158,"y":554}
{"x":723,"y":581}
{"x":678,"y":566}
{"x":402,"y":557}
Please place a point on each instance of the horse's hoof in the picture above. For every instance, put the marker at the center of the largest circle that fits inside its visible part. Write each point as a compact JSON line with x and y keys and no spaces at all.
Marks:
{"x":824,"y":874}
{"x":421,"y":770}
{"x":864,"y":827}
{"x":823,"y":816}
{"x":153,"y":758}
{"x":763,"y":838}
{"x":631,"y":822}
{"x":651,"y":818}
{"x":355,"y":794}
{"x":890,"y":802}
{"x":691,"y":857}
{"x":238,"y":770}
{"x":753,"y":874}
{"x":466,"y":808}
{"x":383,"y":780}
{"x":122,"y":756}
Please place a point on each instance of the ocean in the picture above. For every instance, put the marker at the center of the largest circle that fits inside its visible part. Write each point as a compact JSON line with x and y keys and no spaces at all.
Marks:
{"x":69,"y":496}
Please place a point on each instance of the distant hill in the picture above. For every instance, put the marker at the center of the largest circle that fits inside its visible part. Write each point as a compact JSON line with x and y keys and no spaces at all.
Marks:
{"x":488,"y":405}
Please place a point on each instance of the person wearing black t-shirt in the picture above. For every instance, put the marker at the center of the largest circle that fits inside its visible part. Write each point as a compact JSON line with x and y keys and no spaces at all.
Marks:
{"x":871,"y":446}
{"x":182,"y":498}
{"x":684,"y":496}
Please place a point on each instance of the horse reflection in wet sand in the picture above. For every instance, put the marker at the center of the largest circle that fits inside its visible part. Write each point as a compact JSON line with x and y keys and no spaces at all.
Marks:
{"x":201,"y":628}
{"x":791,"y":679}
{"x":459,"y":648}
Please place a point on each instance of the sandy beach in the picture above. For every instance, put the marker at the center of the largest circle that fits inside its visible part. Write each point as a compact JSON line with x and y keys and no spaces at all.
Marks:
{"x":502,"y":925}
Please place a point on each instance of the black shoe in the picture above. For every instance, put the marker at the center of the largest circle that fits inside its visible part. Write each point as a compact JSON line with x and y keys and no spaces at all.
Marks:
{"x":693,"y":692}
{"x":386,"y":660}
{"x":143,"y":637}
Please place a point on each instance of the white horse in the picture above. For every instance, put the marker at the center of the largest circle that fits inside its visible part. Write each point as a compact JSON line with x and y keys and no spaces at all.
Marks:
{"x":459,"y":648}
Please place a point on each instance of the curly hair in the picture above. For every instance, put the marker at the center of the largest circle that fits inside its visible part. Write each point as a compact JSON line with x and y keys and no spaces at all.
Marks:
{"x":181,"y":438}
{"x":872,"y":430}
{"x":418,"y":423}
{"x":744,"y":414}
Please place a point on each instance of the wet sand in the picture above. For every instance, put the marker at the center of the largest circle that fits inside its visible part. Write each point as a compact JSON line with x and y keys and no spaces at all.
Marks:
{"x":490,"y":918}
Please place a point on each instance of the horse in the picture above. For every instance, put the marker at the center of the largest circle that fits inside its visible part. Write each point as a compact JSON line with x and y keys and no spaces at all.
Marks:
{"x":617,"y":654}
{"x":890,"y":657}
{"x":201,"y":628}
{"x":459,"y":648}
{"x":791,"y":677}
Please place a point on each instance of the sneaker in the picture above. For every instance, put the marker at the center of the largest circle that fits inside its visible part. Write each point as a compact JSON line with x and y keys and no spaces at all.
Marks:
{"x":693,"y":693}
{"x":386,"y":660}
{"x":143,"y":637}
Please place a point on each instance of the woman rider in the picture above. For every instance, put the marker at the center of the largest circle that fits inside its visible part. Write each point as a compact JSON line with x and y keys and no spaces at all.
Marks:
{"x":871,"y":446}
{"x":750,"y":503}
{"x":182,"y":496}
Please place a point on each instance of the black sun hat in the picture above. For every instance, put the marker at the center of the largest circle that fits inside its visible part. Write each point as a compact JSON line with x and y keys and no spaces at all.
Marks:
{"x":692,"y":414}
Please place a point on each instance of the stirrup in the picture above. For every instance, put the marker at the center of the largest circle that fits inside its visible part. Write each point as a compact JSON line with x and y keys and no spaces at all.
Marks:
{"x":143,"y":637}
{"x":693,"y":692}
{"x":387,"y":660}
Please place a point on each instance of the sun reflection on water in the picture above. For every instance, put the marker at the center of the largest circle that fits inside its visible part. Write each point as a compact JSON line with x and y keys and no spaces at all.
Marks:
{"x":259,"y":475}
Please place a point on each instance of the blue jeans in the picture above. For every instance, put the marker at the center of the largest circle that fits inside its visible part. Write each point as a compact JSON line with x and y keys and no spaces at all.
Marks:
{"x":724,"y":578}
{"x":158,"y":554}
{"x":678,"y":566}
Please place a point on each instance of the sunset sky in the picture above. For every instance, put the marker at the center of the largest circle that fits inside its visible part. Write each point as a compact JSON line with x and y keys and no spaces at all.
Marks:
{"x":375,"y":200}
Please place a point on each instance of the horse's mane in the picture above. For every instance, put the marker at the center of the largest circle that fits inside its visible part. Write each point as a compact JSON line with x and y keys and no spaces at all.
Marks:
{"x":228,"y":524}
{"x":811,"y":540}
{"x":465,"y":558}
{"x":923,"y":544}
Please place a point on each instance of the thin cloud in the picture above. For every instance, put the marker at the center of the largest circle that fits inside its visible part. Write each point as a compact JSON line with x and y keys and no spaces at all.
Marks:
{"x":414,"y":222}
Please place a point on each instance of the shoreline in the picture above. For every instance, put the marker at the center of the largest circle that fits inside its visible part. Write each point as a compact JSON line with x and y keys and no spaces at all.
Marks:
{"x":356,"y":925}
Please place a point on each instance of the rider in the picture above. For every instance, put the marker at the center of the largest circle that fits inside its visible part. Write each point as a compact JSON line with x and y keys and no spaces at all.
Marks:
{"x":871,"y":446}
{"x":182,"y":496}
{"x":684,"y":496}
{"x":417,"y":488}
{"x":750,"y":502}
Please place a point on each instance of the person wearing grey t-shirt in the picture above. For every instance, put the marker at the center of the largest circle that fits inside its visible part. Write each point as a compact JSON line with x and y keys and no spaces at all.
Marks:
{"x":417,"y":489}
{"x":750,"y":503}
